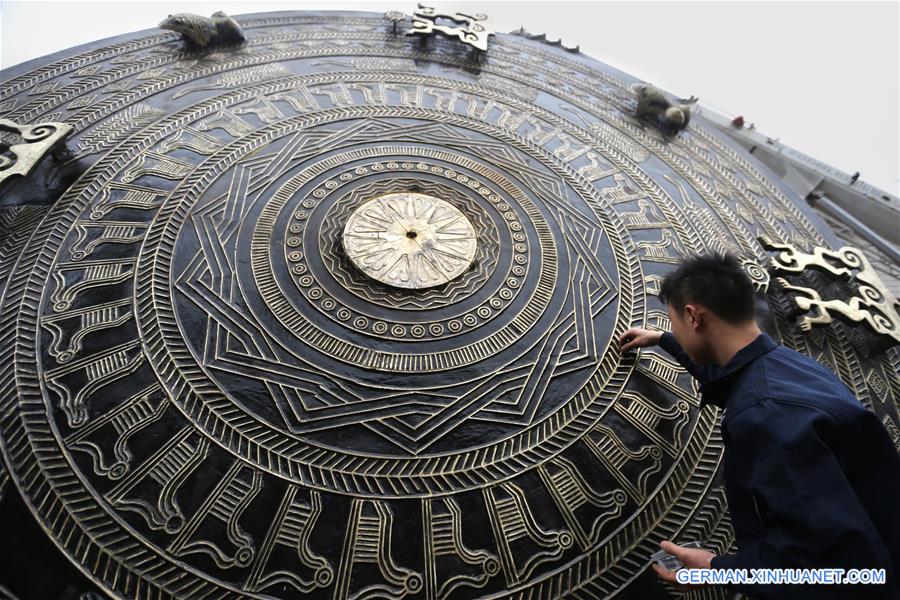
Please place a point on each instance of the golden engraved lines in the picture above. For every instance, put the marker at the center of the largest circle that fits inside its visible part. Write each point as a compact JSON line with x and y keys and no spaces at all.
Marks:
{"x":134,"y":414}
{"x":566,"y":148}
{"x":571,"y":492}
{"x":646,"y":417}
{"x":571,"y":147}
{"x":295,"y":517}
{"x":611,"y":451}
{"x":227,"y":121}
{"x":159,"y":165}
{"x":653,"y":284}
{"x":687,"y":166}
{"x":191,"y":139}
{"x":622,"y":191}
{"x":117,"y":127}
{"x":667,"y":373}
{"x":90,"y":235}
{"x":893,"y":430}
{"x":292,"y":527}
{"x":368,"y":542}
{"x":443,"y":523}
{"x":715,"y":236}
{"x":589,"y":97}
{"x":568,"y":72}
{"x":90,"y":319}
{"x":667,"y":249}
{"x":165,"y":472}
{"x":645,"y":217}
{"x":514,"y":523}
{"x":263,"y":108}
{"x":239,"y":78}
{"x":99,"y":370}
{"x":389,"y":361}
{"x":118,"y":195}
{"x":226,"y":503}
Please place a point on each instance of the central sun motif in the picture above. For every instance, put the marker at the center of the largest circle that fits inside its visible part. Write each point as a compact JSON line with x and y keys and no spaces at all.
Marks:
{"x":410,"y":240}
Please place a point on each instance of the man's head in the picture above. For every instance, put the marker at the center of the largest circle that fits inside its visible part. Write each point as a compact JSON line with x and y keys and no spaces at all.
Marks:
{"x":708,"y":297}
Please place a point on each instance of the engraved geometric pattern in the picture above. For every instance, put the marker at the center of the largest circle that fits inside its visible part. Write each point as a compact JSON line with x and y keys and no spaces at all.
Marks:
{"x":210,"y":390}
{"x":487,"y":249}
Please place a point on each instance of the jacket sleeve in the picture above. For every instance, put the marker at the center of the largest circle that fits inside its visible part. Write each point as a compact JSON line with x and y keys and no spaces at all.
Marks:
{"x":701,"y":373}
{"x":812,"y":516}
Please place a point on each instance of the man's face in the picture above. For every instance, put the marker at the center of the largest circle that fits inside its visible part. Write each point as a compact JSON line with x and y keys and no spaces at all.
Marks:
{"x":688,"y":329}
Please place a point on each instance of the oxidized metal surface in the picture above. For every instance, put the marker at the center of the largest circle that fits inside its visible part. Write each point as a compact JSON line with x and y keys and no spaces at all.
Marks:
{"x":409,"y":240}
{"x":203,"y":395}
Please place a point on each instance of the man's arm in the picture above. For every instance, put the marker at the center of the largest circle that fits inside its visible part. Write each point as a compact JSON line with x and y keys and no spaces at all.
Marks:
{"x":701,"y":373}
{"x":637,"y":338}
{"x":812,"y":516}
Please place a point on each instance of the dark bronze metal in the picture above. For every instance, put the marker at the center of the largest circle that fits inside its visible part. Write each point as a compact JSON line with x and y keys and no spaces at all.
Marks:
{"x":203,"y":395}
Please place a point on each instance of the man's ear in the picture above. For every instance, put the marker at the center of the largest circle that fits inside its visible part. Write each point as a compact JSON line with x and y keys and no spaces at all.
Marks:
{"x":693,"y":316}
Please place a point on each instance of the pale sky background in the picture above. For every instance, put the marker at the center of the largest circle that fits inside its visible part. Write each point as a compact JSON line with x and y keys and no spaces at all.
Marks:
{"x":822,"y":77}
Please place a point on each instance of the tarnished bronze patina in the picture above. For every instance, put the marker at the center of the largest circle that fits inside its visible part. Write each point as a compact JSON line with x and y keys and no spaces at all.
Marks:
{"x":207,"y":389}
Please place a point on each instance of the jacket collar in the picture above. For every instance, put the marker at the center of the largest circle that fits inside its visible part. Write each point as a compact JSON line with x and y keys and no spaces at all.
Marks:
{"x":715,"y":389}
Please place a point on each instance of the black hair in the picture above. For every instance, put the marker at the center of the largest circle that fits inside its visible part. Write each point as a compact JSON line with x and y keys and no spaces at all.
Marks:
{"x":716,"y":281}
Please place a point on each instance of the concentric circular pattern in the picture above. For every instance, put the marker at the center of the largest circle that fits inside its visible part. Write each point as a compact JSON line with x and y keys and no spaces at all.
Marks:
{"x":464,"y":317}
{"x":211,"y":393}
{"x":487,"y":250}
{"x":325,"y":278}
{"x":410,"y":240}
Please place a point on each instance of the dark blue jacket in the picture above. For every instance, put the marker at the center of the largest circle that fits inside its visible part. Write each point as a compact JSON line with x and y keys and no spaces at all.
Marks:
{"x":811,"y":476}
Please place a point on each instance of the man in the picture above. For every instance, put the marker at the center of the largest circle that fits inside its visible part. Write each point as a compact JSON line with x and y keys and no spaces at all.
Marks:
{"x":811,"y":476}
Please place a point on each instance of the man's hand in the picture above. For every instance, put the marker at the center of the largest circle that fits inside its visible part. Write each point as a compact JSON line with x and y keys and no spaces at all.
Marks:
{"x":692,"y":558}
{"x":638,"y":338}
